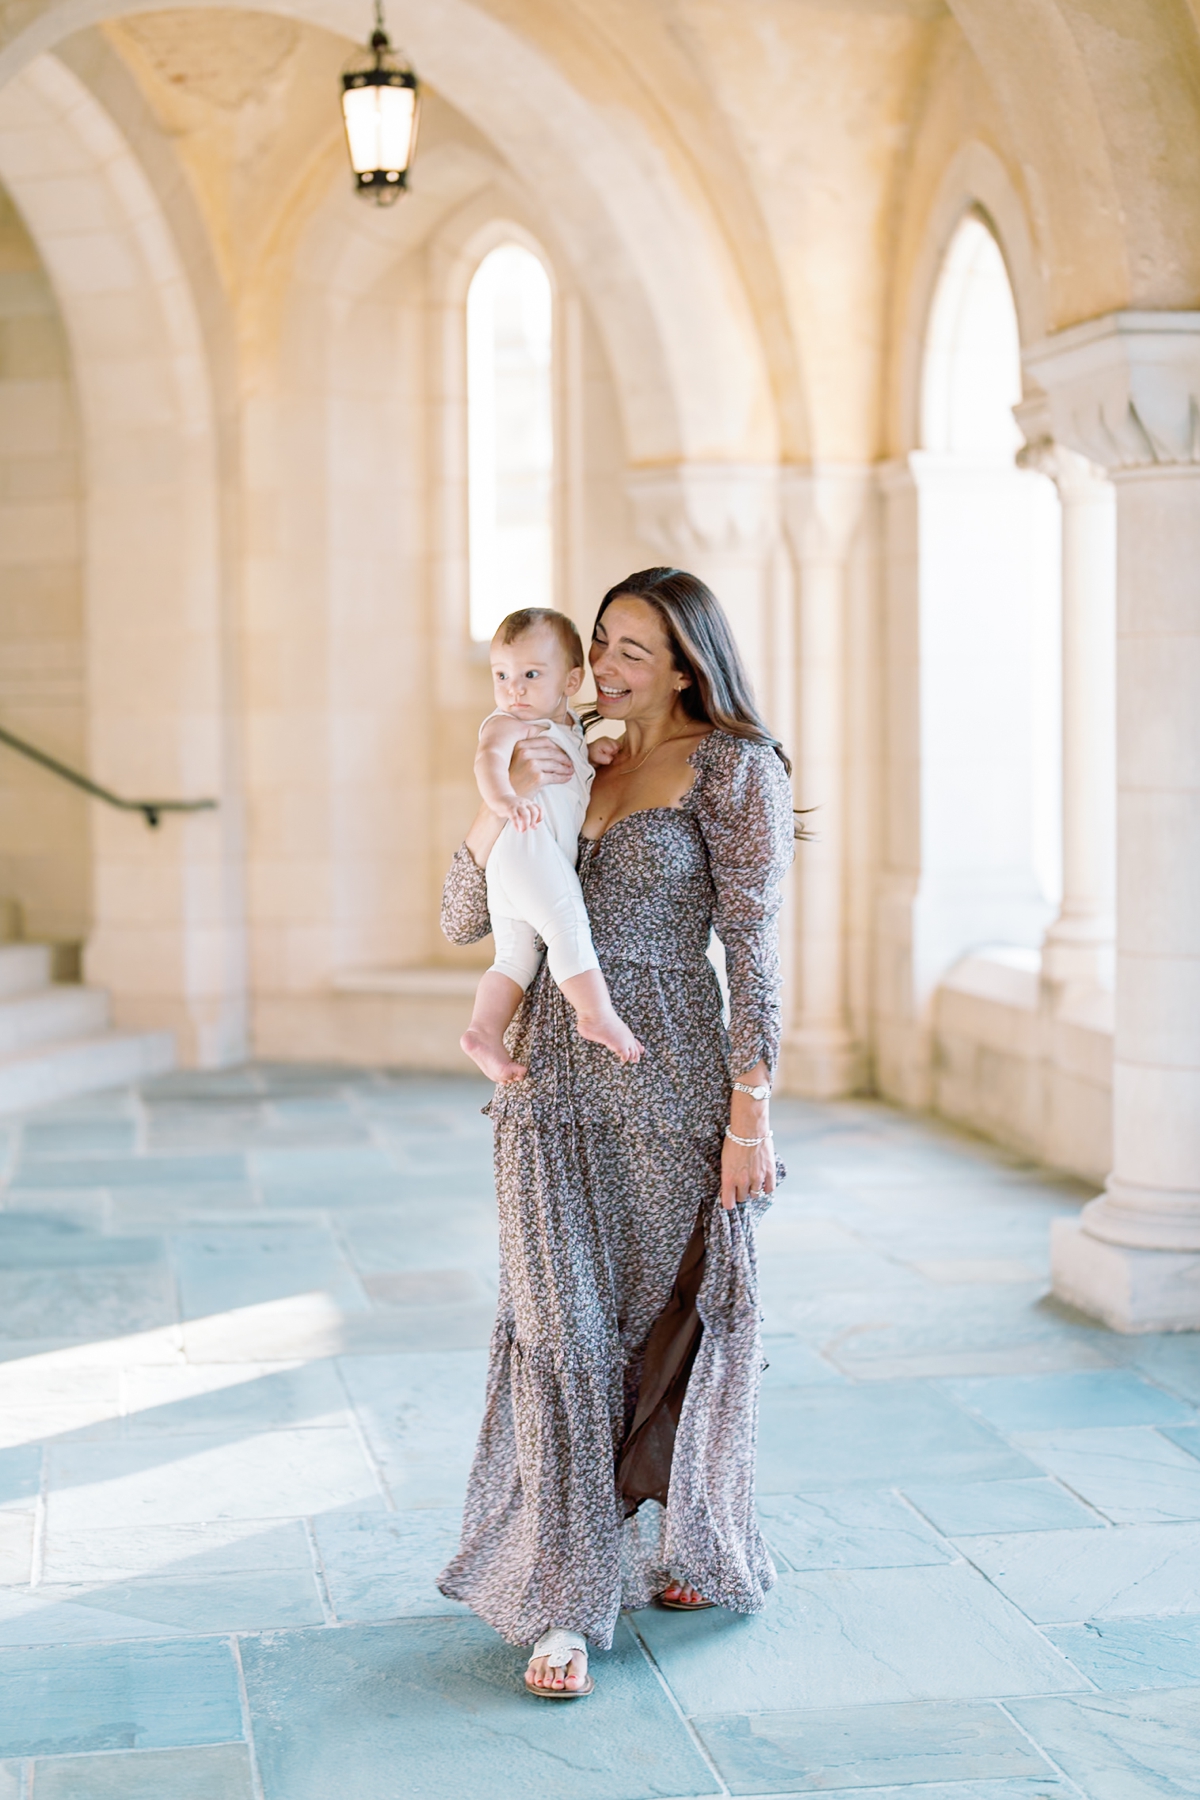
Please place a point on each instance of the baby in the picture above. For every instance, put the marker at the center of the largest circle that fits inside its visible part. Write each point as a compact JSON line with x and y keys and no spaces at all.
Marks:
{"x":532,"y":888}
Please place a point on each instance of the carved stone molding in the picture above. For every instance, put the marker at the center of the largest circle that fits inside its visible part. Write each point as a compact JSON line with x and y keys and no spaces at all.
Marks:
{"x":691,"y":511}
{"x":1124,"y":390}
{"x":822,"y":507}
{"x":1076,"y":477}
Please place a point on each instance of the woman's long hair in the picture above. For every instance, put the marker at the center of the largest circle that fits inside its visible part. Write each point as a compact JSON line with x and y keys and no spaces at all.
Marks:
{"x":703,"y":649}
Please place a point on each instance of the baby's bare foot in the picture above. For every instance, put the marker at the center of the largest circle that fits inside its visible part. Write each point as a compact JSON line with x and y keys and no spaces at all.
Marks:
{"x":609,"y":1029}
{"x":491,"y":1056}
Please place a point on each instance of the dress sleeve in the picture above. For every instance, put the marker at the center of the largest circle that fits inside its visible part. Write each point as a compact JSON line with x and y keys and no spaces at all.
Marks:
{"x":464,"y":900}
{"x":744,"y":808}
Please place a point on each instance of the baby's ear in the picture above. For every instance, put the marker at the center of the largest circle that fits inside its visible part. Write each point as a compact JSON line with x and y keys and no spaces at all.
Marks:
{"x":574,"y":681}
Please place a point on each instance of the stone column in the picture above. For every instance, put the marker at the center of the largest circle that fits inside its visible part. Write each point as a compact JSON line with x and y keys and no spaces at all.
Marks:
{"x":822,"y":509}
{"x":1078,"y":951}
{"x":1124,"y":391}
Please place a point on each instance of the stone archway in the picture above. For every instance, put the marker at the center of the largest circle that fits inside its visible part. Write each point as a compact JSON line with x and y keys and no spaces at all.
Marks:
{"x":167,"y":912}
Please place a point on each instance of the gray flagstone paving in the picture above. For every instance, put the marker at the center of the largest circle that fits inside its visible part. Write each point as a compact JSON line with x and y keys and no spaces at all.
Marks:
{"x":243,"y":1329}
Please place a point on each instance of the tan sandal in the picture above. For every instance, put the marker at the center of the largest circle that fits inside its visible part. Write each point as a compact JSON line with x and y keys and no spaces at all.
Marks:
{"x":684,"y":1605}
{"x":558,"y":1647}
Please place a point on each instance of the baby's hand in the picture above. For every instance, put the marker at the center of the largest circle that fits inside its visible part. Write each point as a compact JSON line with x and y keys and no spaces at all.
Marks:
{"x":522,"y":815}
{"x":602,"y":752}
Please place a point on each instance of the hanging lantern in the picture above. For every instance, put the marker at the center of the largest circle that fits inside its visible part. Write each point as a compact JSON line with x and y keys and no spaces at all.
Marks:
{"x":380,"y":102}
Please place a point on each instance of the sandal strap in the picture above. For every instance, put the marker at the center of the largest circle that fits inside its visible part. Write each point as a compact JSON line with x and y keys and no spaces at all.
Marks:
{"x":558,"y":1646}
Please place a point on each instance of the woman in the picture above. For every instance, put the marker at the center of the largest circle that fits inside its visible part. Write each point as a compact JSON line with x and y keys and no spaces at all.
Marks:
{"x":625,"y":1359}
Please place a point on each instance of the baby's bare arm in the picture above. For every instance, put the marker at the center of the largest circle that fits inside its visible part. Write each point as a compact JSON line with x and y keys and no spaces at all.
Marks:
{"x":497,"y":740}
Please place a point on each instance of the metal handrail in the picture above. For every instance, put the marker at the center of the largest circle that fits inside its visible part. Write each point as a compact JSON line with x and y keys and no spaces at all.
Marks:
{"x":151,"y":810}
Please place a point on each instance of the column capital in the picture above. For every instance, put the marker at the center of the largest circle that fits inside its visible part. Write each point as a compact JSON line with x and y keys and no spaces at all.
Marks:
{"x":689,"y":511}
{"x":1075,"y":476}
{"x":1124,"y":390}
{"x":821,"y":507}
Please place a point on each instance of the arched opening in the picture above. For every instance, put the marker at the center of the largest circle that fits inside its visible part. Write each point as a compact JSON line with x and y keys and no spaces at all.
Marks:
{"x":510,"y":437}
{"x":45,"y":852}
{"x":989,"y":657}
{"x":166,"y":926}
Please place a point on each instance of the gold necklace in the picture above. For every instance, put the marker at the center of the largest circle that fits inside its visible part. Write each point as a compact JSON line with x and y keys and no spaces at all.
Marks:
{"x":678,"y":737}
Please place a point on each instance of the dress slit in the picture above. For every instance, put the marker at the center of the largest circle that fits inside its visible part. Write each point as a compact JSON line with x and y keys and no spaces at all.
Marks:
{"x":645,"y":1457}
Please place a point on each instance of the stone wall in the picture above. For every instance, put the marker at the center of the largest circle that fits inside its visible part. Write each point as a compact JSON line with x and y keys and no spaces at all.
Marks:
{"x":44,"y":837}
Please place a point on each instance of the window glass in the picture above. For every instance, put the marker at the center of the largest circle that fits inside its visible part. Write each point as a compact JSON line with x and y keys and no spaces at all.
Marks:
{"x":510,"y":437}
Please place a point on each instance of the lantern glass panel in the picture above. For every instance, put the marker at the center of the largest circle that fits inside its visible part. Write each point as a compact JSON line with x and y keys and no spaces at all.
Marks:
{"x":379,"y":126}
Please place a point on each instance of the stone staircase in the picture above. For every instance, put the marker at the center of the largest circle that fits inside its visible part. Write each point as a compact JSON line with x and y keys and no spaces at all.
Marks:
{"x":57,"y":1040}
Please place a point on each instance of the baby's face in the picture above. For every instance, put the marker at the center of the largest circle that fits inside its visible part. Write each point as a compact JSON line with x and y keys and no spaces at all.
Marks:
{"x":532,"y":677}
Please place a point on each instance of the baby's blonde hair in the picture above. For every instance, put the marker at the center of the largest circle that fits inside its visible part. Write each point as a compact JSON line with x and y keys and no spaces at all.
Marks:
{"x":530,"y":617}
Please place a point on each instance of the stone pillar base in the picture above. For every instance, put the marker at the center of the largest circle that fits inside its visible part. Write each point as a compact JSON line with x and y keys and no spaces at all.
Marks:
{"x":1128,"y":1289}
{"x":821,"y":1065}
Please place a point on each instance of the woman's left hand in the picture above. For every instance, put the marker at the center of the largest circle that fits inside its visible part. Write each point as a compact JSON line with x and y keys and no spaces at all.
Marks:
{"x":746,"y":1173}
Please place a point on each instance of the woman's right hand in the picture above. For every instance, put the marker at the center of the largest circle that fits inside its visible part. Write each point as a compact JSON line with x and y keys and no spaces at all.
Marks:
{"x":538,"y":762}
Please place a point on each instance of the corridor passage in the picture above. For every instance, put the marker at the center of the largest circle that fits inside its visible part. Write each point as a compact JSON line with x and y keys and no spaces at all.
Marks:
{"x":244,"y":1319}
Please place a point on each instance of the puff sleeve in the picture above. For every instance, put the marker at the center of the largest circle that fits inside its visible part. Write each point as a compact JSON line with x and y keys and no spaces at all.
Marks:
{"x":744,"y":809}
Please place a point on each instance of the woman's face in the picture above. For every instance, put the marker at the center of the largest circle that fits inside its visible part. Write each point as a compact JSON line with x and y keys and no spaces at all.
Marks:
{"x":631,"y":659}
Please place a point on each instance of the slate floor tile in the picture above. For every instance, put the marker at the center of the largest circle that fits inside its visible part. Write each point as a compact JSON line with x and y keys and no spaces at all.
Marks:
{"x":864,"y":1637}
{"x":817,"y":1438}
{"x":1185,"y":1437}
{"x":793,"y":1363}
{"x":221,"y":1268}
{"x":420,"y":1412}
{"x":1066,"y":1576}
{"x":1133,"y":1476}
{"x":208,"y":1772}
{"x":302,"y":1165}
{"x":382,"y":1191}
{"x":372,"y":1709}
{"x":957,"y":1271}
{"x":129,"y":1171}
{"x":44,"y":1241}
{"x":20,"y":1478}
{"x":1172,"y":1359}
{"x":1025,"y":1787}
{"x":962,"y":1508}
{"x":384,"y":1565}
{"x":257,"y":1397}
{"x":164,"y":1480}
{"x":70,"y":1698}
{"x":865,"y":1747}
{"x":848,"y":1528}
{"x":785,"y":1276}
{"x":460,"y":1233}
{"x":1134,"y":1653}
{"x":1071,"y":1402}
{"x":1121,"y":1746}
{"x":84,"y":1303}
{"x":150,"y":1607}
{"x":123,"y":1552}
{"x":73,"y":1137}
{"x":16,"y":1547}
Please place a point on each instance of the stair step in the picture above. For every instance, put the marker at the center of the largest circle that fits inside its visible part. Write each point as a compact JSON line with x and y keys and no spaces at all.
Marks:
{"x":23,"y":968}
{"x":82,"y":1065}
{"x":51,"y":1015}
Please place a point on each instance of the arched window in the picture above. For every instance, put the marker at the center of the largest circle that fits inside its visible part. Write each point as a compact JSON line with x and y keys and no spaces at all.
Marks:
{"x":989,"y":607}
{"x":972,"y":374}
{"x":510,"y":426}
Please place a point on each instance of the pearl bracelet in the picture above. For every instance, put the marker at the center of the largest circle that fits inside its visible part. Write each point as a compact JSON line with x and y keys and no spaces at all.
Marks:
{"x":749,"y":1143}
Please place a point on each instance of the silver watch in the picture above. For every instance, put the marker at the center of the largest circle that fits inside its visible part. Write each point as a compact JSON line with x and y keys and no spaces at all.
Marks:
{"x":755,"y":1093}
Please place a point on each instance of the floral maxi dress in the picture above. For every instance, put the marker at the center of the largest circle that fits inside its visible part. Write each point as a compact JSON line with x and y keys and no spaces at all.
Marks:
{"x":618,"y":1441}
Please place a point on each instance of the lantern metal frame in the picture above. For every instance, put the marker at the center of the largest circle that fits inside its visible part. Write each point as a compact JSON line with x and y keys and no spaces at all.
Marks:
{"x":379,"y":66}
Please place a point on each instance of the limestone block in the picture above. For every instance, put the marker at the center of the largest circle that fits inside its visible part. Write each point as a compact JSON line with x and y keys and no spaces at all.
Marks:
{"x":1131,"y":1290}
